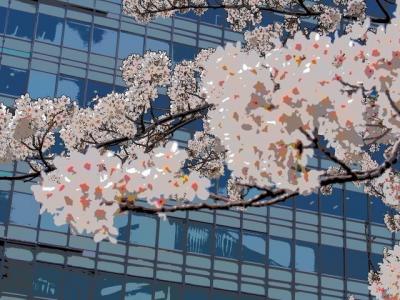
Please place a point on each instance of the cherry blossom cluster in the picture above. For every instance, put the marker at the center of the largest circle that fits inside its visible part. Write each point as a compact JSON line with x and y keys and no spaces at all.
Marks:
{"x":85,"y":190}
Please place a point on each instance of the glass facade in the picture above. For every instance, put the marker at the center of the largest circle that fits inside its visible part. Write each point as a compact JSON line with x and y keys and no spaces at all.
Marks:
{"x":314,"y":247}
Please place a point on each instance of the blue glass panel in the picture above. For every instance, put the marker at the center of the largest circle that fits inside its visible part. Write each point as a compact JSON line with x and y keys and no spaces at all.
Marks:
{"x":95,"y":88}
{"x":47,"y":282}
{"x":108,"y":287}
{"x":227,"y":242}
{"x":80,"y":281}
{"x":332,"y":204}
{"x":72,"y":87}
{"x":356,"y":205}
{"x":309,"y":202}
{"x":280,"y":252}
{"x":331,"y":260}
{"x":306,"y":257}
{"x":143,"y":230}
{"x":120,"y":89}
{"x":76,"y":35}
{"x":104,"y":41}
{"x":47,"y":222}
{"x":13,"y":81}
{"x":13,"y":282}
{"x":378,"y":210}
{"x":24,"y":210}
{"x":121,"y":223}
{"x":375,"y":260}
{"x":129,"y":44}
{"x":167,"y":291}
{"x":41,"y":84}
{"x":199,"y":238}
{"x":50,"y":29}
{"x":357,"y":264}
{"x":196,"y":293}
{"x":20,"y":24}
{"x":215,"y":17}
{"x":3,"y":12}
{"x":171,"y":234}
{"x":162,"y":101}
{"x":181,"y":52}
{"x":223,"y":295}
{"x":139,"y":290}
{"x":157,"y":45}
{"x":4,"y":204}
{"x":196,"y":125}
{"x":253,"y":247}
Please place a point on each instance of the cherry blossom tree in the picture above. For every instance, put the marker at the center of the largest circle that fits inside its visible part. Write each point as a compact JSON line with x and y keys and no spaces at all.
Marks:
{"x":267,"y":106}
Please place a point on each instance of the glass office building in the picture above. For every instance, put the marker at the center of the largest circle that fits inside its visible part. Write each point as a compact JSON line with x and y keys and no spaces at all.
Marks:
{"x":315,"y":247}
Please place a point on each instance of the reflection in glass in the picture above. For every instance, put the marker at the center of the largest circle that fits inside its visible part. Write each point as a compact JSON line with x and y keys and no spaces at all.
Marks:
{"x":167,"y":291}
{"x":95,"y":88}
{"x":196,"y":293}
{"x":357,"y":264}
{"x":378,"y":210}
{"x":181,"y":52}
{"x":13,"y":81}
{"x":143,"y":230}
{"x":356,"y":205}
{"x":47,"y":282}
{"x":72,"y":87}
{"x":104,"y":41}
{"x":198,"y":238}
{"x":171,"y":234}
{"x":280,"y":253}
{"x":47,"y":222}
{"x":3,"y":12}
{"x":108,"y":287}
{"x":332,"y":204}
{"x":129,"y":44}
{"x":41,"y":84}
{"x":253,"y":247}
{"x":4,"y":203}
{"x":76,"y":35}
{"x":24,"y":210}
{"x":139,"y":291}
{"x":305,"y":257}
{"x":227,"y":242}
{"x":331,"y":260}
{"x":309,"y":202}
{"x":121,"y":223}
{"x":49,"y":29}
{"x":157,"y":45}
{"x":80,"y":281}
{"x":20,"y":24}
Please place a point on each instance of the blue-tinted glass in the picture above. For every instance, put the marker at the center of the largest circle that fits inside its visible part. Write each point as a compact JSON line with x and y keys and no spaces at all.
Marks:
{"x":120,"y":89}
{"x":162,"y":101}
{"x":253,"y":247}
{"x":375,"y":260}
{"x":143,"y":230}
{"x":167,"y":291}
{"x":199,"y":238}
{"x":108,"y":287}
{"x":95,"y":88}
{"x":47,"y":222}
{"x":20,"y":24}
{"x":280,"y":252}
{"x":72,"y":87}
{"x":104,"y":41}
{"x":378,"y":210}
{"x":13,"y":81}
{"x":80,"y":281}
{"x":50,"y":29}
{"x":4,"y":204}
{"x":223,"y":181}
{"x":121,"y":223}
{"x":357,"y":264}
{"x":189,"y":15}
{"x":332,"y":204}
{"x":139,"y":290}
{"x":13,"y":282}
{"x":129,"y":44}
{"x":171,"y":234}
{"x":3,"y":12}
{"x":223,"y":295}
{"x":76,"y":35}
{"x":196,"y":125}
{"x":309,"y":202}
{"x":331,"y":260}
{"x":195,"y":293}
{"x":215,"y":17}
{"x":24,"y":210}
{"x":356,"y":205}
{"x":306,"y":257}
{"x":181,"y":52}
{"x":156,"y":45}
{"x":41,"y":84}
{"x":227,"y":242}
{"x":47,"y":282}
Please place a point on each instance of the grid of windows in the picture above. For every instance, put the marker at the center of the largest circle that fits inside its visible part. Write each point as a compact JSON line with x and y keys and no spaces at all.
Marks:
{"x":300,"y":249}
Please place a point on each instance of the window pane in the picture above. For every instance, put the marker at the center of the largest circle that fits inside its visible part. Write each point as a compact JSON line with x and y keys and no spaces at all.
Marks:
{"x":156,"y":45}
{"x":121,"y":222}
{"x":356,"y":205}
{"x":357,"y":264}
{"x":72,"y":87}
{"x":47,"y":282}
{"x":181,"y":52}
{"x":378,"y":210}
{"x":167,"y":291}
{"x":214,"y":16}
{"x":20,"y":24}
{"x":24,"y":210}
{"x":108,"y":287}
{"x":47,"y":222}
{"x":96,"y":88}
{"x":309,"y":202}
{"x":80,"y":281}
{"x":41,"y":84}
{"x":171,"y":234}
{"x":143,"y":230}
{"x":253,"y":247}
{"x":129,"y":44}
{"x":199,"y":238}
{"x":4,"y":204}
{"x":13,"y":81}
{"x":104,"y":41}
{"x":223,"y":295}
{"x":331,"y":260}
{"x":139,"y":290}
{"x":227,"y":242}
{"x":195,"y":293}
{"x":49,"y":29}
{"x":332,"y":204}
{"x":279,"y":253}
{"x":305,"y":257}
{"x":3,"y":12}
{"x":76,"y":35}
